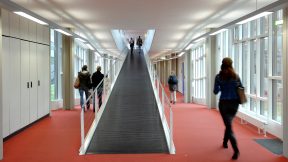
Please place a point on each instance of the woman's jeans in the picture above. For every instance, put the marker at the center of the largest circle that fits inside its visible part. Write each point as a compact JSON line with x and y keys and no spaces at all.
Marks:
{"x":87,"y":94}
{"x":228,"y":110}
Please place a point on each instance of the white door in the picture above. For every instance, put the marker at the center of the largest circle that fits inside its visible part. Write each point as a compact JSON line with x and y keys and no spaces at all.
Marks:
{"x":33,"y":82}
{"x":25,"y":84}
{"x":46,"y":79}
{"x":14,"y":81}
{"x":40,"y":73}
{"x":5,"y":84}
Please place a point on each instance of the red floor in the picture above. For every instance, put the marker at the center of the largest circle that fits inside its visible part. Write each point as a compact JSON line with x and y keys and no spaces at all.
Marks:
{"x":198,"y":138}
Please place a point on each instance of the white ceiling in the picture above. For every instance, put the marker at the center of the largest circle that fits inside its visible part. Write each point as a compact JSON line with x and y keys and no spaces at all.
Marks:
{"x":176,"y":22}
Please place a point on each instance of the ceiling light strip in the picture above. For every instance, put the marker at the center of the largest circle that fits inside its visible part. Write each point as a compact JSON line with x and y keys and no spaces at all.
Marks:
{"x":254,"y":17}
{"x":63,"y":32}
{"x":219,"y":31}
{"x":23,"y":14}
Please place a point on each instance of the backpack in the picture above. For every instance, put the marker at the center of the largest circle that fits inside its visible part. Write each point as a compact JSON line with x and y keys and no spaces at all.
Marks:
{"x":172,"y":80}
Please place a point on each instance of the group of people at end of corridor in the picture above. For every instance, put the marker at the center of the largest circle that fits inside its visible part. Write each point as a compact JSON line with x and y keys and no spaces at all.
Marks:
{"x":138,"y":43}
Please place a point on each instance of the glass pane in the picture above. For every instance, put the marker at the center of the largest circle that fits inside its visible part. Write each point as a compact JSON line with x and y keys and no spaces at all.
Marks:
{"x":245,"y":64}
{"x":277,"y":100}
{"x":253,"y":28}
{"x":253,"y":73}
{"x":264,"y":108}
{"x":52,"y":67}
{"x":253,"y":105}
{"x":264,"y":67}
{"x":245,"y":30}
{"x":277,"y":59}
{"x":263,"y":25}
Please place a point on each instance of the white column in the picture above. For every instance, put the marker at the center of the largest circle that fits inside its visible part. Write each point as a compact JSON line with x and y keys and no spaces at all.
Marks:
{"x":111,"y":68}
{"x":210,"y":48}
{"x":91,"y":58}
{"x":105,"y":64}
{"x":68,"y":72}
{"x":187,"y":77}
{"x":1,"y":91}
{"x":285,"y":86}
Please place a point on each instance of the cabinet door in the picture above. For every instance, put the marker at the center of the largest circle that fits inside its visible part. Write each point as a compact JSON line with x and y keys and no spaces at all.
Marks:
{"x":5,"y":22}
{"x":46,"y":79}
{"x":32,"y":31}
{"x":5,"y":85}
{"x":40,"y":74}
{"x":46,"y":35}
{"x":39,"y":33}
{"x":43,"y":80}
{"x":33,"y":82}
{"x":24,"y":28}
{"x":25,"y":83}
{"x":14,"y":89}
{"x":14,"y":25}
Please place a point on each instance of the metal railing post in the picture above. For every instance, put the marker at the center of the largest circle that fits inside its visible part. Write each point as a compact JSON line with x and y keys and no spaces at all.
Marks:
{"x":163,"y":103}
{"x":82,"y":126}
{"x":171,"y":128}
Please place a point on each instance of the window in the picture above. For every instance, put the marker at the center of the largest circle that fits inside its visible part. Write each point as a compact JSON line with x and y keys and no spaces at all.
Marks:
{"x":80,"y":59}
{"x":199,"y":73}
{"x":277,"y":68}
{"x":55,"y":65}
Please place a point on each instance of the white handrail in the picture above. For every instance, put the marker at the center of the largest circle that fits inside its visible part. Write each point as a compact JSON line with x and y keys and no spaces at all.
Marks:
{"x":158,"y":87}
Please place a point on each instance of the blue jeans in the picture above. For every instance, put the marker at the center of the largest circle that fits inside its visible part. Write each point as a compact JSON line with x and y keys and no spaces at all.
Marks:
{"x":81,"y":91}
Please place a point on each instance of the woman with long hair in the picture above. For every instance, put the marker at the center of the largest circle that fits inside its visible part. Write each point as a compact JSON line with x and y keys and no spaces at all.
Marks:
{"x":227,"y":82}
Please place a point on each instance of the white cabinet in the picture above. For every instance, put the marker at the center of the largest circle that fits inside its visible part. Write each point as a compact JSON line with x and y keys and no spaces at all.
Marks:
{"x":33,"y":80}
{"x":24,"y":29}
{"x":14,"y":25}
{"x":46,"y":36}
{"x":43,"y":54}
{"x":6,"y":90}
{"x":25,"y":69}
{"x":39,"y":35}
{"x":25,"y":83}
{"x":32,"y":31}
{"x":5,"y":22}
{"x":14,"y":84}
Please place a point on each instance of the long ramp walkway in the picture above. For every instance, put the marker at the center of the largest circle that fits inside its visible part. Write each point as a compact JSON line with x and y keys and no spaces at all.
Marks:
{"x":130,"y":122}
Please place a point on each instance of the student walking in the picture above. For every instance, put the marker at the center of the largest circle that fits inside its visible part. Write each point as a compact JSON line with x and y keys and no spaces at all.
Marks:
{"x":139,"y":43}
{"x":227,"y":82}
{"x":172,"y":82}
{"x":97,"y":77}
{"x":85,"y":85}
{"x":131,"y":42}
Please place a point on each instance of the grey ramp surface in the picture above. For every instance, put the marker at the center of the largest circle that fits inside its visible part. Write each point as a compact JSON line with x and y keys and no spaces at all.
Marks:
{"x":130,"y":122}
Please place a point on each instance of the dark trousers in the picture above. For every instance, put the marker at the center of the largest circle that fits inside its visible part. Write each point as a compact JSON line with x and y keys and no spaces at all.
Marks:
{"x":228,"y":110}
{"x":99,"y":95}
{"x":131,"y":48}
